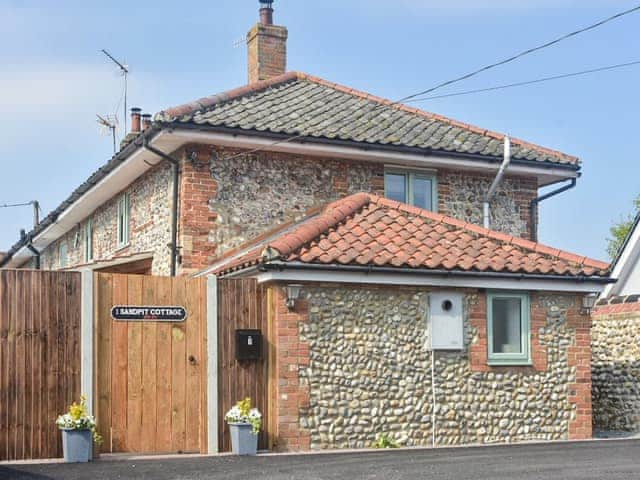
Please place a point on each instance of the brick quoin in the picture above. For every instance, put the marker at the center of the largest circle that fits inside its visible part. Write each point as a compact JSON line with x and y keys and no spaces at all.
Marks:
{"x":197,"y":220}
{"x":292,"y":353}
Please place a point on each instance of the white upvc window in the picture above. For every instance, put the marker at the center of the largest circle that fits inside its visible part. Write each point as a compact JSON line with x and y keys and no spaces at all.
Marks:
{"x":88,"y":241}
{"x":412,"y":187}
{"x":64,"y":255}
{"x":124,"y":215}
{"x":508,"y":328}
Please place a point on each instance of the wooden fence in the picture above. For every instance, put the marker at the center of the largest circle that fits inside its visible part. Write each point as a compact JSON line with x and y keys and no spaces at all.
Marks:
{"x":39,"y":359}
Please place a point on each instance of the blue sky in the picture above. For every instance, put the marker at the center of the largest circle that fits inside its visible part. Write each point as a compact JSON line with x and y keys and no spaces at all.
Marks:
{"x":54,"y":81}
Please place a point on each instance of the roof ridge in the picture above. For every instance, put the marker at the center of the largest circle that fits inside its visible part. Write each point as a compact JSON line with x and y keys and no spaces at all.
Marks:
{"x":333,"y":214}
{"x":434,"y":116}
{"x":502,"y":237}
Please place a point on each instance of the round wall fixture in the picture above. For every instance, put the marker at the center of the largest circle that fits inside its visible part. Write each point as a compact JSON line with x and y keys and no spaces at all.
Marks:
{"x":447,"y":305}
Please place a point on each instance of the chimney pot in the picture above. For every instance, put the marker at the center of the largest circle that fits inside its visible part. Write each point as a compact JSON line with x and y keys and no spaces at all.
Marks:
{"x":146,"y":121}
{"x":135,"y":120}
{"x":266,"y":16}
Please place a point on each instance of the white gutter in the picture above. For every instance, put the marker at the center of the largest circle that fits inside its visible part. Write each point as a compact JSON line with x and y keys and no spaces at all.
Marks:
{"x":496,"y":181}
{"x":373,"y":278}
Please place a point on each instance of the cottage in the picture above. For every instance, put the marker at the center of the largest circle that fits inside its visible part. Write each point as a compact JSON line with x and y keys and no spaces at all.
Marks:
{"x":616,"y":343}
{"x":387,"y":308}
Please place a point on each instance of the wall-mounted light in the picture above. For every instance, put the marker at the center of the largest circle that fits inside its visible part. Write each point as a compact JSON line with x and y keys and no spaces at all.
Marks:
{"x":293,"y":293}
{"x":588,"y":302}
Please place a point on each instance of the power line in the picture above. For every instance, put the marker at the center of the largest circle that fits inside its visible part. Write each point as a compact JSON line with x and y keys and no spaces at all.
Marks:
{"x":522,"y":54}
{"x":528,"y":82}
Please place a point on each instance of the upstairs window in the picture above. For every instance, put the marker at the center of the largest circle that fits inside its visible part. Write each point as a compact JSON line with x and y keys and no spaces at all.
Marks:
{"x":509,"y":333}
{"x":88,"y":241}
{"x":124,"y":214}
{"x":64,"y":256}
{"x":415,"y":188}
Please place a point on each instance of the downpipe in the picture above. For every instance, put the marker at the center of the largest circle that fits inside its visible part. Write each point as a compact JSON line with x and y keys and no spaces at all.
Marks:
{"x":486,"y":214}
{"x":533,"y":206}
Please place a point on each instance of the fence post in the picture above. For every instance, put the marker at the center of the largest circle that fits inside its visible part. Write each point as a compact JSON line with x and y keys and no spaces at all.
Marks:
{"x":86,"y":338}
{"x":212,"y":364}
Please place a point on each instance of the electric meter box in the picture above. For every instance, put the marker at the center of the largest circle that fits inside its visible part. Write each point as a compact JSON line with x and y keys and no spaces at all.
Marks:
{"x":446,"y":321}
{"x":248,"y":344}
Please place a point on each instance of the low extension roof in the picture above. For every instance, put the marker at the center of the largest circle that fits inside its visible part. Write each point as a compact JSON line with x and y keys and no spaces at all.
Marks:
{"x":300,"y":104}
{"x":368,"y":230}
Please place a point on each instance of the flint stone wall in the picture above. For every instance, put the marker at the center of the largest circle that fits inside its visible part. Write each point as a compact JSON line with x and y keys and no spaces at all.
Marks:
{"x":616,"y":371}
{"x":370,"y":373}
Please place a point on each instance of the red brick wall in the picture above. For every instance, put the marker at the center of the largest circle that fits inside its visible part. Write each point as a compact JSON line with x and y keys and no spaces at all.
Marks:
{"x":291,"y":394}
{"x":267,"y":52}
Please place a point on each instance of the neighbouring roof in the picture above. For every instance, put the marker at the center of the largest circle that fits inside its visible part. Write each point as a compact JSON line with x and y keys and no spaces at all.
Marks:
{"x":368,"y":230}
{"x":297,"y":103}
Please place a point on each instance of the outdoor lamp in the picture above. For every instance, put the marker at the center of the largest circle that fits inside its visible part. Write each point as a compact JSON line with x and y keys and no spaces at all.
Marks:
{"x":293,"y":293}
{"x":588,"y":302}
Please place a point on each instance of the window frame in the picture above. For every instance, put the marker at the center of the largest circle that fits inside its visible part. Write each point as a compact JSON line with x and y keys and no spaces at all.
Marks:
{"x":409,"y":175}
{"x":63,"y":260}
{"x":88,"y":240}
{"x":508,"y":359}
{"x":123,"y":220}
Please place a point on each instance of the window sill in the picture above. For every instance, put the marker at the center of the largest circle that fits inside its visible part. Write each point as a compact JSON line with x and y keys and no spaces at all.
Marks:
{"x":510,"y":363}
{"x":122,"y":247}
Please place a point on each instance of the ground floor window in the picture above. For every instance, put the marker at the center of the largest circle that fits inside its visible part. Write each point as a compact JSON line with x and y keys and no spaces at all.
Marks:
{"x":508,"y":326}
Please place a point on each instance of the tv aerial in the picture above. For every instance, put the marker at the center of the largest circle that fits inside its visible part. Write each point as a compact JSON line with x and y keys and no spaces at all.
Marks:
{"x":124,"y":70}
{"x":108,"y":124}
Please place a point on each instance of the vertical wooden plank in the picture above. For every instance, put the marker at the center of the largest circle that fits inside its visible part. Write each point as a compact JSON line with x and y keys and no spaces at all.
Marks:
{"x":195,"y":360}
{"x":104,"y":368}
{"x":51,"y":358}
{"x":119,"y":360}
{"x":134,"y":369}
{"x":204,"y":415}
{"x":163,"y":371}
{"x":4,"y":368}
{"x":178,"y":373}
{"x":149,"y":367}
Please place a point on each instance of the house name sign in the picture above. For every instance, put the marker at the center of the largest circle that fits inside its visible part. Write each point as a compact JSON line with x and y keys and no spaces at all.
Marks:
{"x":130,"y":313}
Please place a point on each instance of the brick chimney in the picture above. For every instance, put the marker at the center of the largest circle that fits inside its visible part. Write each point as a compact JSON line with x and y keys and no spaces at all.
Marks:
{"x":267,"y":46}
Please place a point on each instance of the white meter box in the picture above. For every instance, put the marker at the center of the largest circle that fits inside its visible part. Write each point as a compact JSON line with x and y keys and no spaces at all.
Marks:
{"x":446,"y":321}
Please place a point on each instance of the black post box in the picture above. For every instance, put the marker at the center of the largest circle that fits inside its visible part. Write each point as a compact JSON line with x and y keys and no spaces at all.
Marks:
{"x":248,"y":345}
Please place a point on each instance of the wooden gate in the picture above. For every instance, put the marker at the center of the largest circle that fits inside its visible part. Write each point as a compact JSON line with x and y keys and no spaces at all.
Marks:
{"x":242,"y":304}
{"x":151,"y":376}
{"x":39,"y":359}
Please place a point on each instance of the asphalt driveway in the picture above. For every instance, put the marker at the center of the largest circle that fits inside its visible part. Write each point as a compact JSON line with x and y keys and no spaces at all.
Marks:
{"x":610,"y":460}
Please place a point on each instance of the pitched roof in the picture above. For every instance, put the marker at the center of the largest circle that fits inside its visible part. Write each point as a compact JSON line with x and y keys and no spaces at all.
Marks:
{"x":368,"y":230}
{"x":300,"y":104}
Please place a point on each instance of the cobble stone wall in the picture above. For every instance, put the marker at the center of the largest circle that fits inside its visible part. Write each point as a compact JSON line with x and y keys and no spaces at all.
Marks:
{"x":248,"y":194}
{"x":461,"y":196}
{"x":369,"y":372}
{"x":616,"y":368}
{"x":149,"y":226}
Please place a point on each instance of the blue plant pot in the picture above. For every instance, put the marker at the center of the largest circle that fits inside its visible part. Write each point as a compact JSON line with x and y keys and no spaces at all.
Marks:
{"x":243,"y":440}
{"x":76,"y":445}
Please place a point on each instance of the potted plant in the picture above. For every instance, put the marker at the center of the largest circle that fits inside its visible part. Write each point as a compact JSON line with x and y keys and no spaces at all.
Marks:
{"x":78,"y":432}
{"x":244,"y":423}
